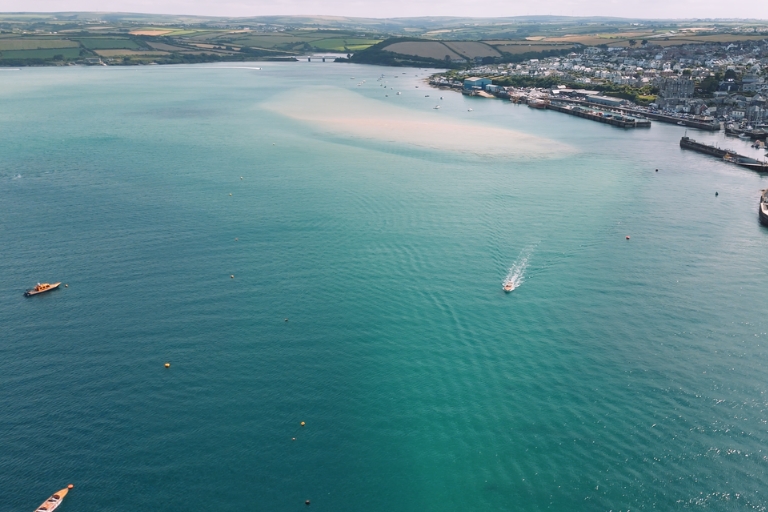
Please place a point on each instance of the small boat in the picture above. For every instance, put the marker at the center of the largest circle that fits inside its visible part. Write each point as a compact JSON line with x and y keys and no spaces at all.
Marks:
{"x":744,"y":136}
{"x":681,"y":123}
{"x":436,"y":106}
{"x":762,"y":210}
{"x":508,"y":286}
{"x":41,"y":288}
{"x":53,"y":502}
{"x":469,"y":110}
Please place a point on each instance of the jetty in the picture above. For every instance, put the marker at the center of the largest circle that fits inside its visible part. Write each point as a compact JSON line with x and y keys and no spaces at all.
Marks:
{"x":615,"y":119}
{"x":726,"y":155}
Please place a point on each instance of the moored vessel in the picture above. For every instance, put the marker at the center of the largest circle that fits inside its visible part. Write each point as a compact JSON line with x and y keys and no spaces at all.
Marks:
{"x":54,"y":501}
{"x":41,"y":288}
{"x":538,"y":103}
{"x":762,"y":210}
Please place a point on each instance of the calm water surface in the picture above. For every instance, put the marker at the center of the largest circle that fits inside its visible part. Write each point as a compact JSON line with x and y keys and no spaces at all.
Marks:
{"x":619,"y":375}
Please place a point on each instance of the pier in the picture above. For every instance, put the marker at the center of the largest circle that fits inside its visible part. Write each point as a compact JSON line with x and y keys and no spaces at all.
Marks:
{"x":726,"y":155}
{"x":600,"y":116}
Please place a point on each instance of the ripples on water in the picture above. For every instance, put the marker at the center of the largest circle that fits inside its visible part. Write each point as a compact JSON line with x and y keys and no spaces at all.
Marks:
{"x":627,"y":374}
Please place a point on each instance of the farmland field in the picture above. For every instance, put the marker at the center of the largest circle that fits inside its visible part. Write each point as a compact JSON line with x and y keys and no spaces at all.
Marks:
{"x":709,"y":38}
{"x":276,"y":40}
{"x":428,"y":49}
{"x":35,"y":44}
{"x":126,"y":53}
{"x":166,"y":47}
{"x":46,"y":53}
{"x":107,"y":43}
{"x":340,"y":44}
{"x":150,"y":32}
{"x":516,"y":49}
{"x":472,"y":49}
{"x":526,"y":41}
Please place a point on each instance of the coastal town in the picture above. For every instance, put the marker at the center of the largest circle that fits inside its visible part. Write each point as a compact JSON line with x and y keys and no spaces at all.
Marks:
{"x":709,"y":86}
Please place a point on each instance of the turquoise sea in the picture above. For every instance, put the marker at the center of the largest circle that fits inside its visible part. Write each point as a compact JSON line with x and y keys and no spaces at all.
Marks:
{"x":619,"y":375}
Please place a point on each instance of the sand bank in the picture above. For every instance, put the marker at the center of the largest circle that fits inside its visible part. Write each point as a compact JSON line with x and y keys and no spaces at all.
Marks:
{"x":345,"y":113}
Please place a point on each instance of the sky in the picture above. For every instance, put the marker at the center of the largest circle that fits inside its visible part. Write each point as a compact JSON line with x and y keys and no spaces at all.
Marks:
{"x":409,"y":8}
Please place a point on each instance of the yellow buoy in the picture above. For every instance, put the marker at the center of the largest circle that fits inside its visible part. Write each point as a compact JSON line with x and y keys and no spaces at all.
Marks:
{"x":230,"y":194}
{"x":241,"y":177}
{"x":66,"y":286}
{"x":232,"y":276}
{"x":302,"y":423}
{"x":167,"y":365}
{"x":293,"y":439}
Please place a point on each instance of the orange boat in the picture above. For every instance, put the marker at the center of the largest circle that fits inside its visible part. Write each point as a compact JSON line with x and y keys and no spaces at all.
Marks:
{"x":509,"y":286}
{"x":41,"y":288}
{"x":54,"y":501}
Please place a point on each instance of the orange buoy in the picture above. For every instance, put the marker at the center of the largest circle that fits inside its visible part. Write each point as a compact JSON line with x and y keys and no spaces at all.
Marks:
{"x":302,"y":423}
{"x":167,"y":365}
{"x":70,"y":486}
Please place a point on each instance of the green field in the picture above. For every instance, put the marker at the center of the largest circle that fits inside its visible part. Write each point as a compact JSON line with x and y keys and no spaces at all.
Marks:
{"x":270,"y":41}
{"x":340,"y":44}
{"x":107,"y":43}
{"x":35,"y":44}
{"x":48,"y":53}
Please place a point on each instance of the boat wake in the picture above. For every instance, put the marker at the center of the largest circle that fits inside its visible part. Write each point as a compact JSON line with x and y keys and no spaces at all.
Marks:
{"x":516,"y":274}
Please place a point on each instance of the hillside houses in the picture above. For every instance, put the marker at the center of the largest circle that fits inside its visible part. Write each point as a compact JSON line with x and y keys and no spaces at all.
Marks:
{"x":693,"y":78}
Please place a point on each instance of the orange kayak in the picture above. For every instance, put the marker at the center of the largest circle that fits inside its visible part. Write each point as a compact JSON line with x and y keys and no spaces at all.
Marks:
{"x":53,"y":502}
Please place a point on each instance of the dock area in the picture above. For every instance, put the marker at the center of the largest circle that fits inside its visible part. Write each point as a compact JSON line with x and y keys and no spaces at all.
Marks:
{"x":726,"y":155}
{"x":710,"y":126}
{"x":601,"y":116}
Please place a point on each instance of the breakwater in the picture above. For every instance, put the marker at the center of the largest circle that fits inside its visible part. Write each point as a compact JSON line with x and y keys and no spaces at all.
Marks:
{"x":613,"y":119}
{"x":726,"y":154}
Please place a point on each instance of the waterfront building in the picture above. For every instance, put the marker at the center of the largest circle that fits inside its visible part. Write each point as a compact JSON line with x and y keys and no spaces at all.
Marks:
{"x":472,"y":82}
{"x":605,"y":100}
